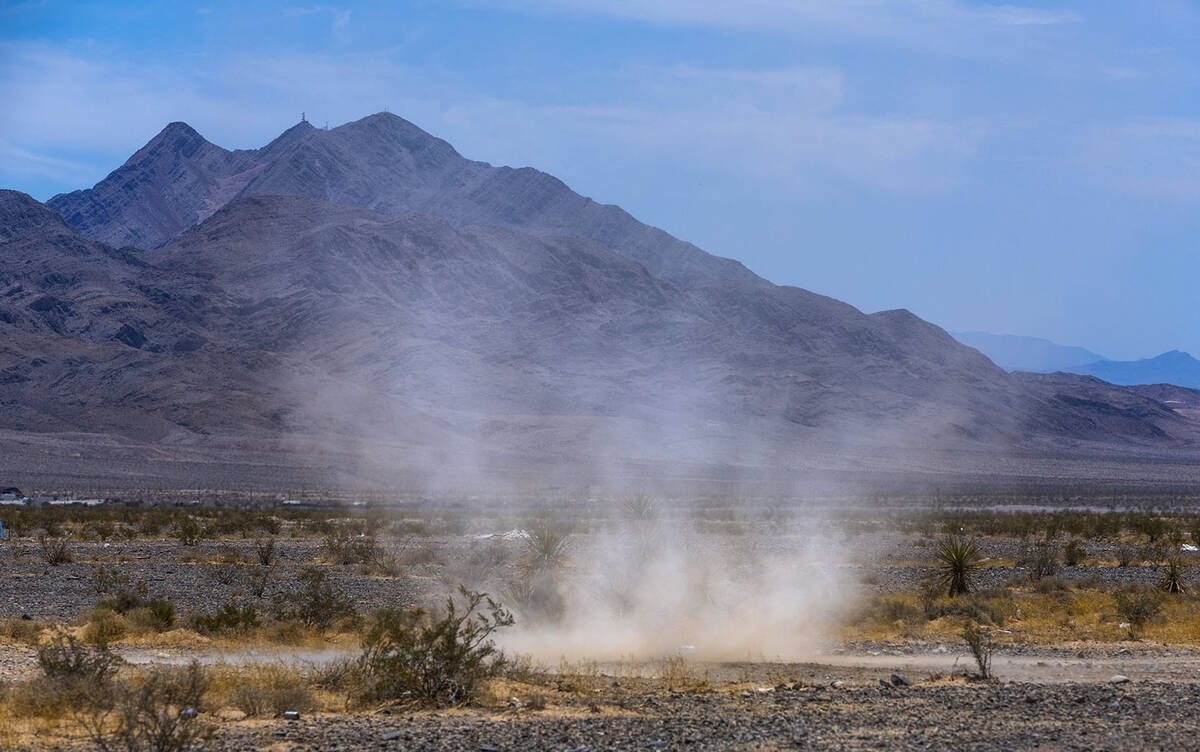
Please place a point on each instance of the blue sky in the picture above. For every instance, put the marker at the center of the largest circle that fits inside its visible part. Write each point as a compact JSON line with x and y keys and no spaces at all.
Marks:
{"x":1028,"y":168}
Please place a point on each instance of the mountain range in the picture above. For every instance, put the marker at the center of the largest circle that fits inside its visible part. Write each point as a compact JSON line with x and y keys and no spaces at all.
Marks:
{"x":365,"y":306}
{"x":1014,"y":353}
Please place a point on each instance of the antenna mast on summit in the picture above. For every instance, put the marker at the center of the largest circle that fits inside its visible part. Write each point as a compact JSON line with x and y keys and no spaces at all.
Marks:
{"x":302,"y":118}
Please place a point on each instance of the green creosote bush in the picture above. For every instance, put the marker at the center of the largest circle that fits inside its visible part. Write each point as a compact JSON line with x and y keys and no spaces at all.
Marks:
{"x":409,"y":654}
{"x":131,"y":600}
{"x":187,"y":530}
{"x":319,"y":604}
{"x":230,"y":619}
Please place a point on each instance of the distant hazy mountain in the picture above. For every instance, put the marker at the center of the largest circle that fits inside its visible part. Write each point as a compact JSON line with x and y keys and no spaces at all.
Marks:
{"x":1015,"y":353}
{"x":367,"y":292}
{"x":1174,"y":367}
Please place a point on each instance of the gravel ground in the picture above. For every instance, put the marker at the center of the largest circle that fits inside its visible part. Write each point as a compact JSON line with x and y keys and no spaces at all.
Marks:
{"x":945,"y":716}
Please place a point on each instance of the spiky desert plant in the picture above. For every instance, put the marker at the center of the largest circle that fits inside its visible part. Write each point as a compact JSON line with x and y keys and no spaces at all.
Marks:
{"x":1172,"y":576}
{"x":958,"y":559}
{"x":546,"y":546}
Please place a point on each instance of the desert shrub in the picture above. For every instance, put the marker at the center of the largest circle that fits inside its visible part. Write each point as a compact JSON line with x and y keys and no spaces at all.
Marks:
{"x":22,"y":630}
{"x":65,"y":658}
{"x":1137,"y":605}
{"x":1074,"y":553}
{"x":957,"y":559}
{"x":159,"y":713}
{"x":982,"y":647}
{"x":108,"y":580}
{"x":412,"y":556}
{"x":230,"y":555}
{"x":344,"y":675}
{"x":132,"y":600}
{"x":319,"y":604}
{"x":1150,"y":526}
{"x":158,"y":615}
{"x":104,"y":626}
{"x":536,"y":596}
{"x":264,"y":550}
{"x":55,"y":550}
{"x":992,"y":609}
{"x":889,"y":610}
{"x":1051,"y":586}
{"x":231,"y":618}
{"x":1171,"y":580}
{"x":348,"y":543}
{"x":254,"y":580}
{"x":187,"y":530}
{"x":225,"y":574}
{"x":271,"y":690}
{"x":408,"y":654}
{"x":1039,"y":557}
{"x":1126,"y":554}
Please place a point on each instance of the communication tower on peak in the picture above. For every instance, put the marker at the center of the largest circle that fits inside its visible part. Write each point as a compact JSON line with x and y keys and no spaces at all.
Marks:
{"x":302,"y":118}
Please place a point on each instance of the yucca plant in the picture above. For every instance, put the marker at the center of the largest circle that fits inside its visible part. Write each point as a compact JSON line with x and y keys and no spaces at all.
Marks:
{"x":1172,"y":576}
{"x":958,"y":559}
{"x":546,"y":546}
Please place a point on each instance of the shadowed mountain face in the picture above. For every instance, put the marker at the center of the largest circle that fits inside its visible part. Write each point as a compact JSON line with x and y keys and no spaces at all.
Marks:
{"x":367,"y":291}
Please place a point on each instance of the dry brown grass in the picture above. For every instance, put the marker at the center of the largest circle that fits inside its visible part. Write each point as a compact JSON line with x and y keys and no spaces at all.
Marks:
{"x":1045,"y":616}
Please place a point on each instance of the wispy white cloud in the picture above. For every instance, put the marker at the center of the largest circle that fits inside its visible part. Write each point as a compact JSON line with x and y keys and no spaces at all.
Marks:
{"x":927,"y":26}
{"x":339,"y":17}
{"x":783,"y":125}
{"x":22,"y":161}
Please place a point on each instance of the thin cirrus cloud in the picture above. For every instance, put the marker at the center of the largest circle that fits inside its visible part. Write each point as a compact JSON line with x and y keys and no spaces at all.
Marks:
{"x":779,"y":124}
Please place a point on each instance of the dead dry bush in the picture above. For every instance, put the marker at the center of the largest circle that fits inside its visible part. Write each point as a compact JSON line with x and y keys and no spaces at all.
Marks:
{"x":272,"y":690}
{"x":27,"y":631}
{"x":982,"y":647}
{"x":160,"y":711}
{"x":1137,"y":605}
{"x":55,"y":551}
{"x":72,"y":675}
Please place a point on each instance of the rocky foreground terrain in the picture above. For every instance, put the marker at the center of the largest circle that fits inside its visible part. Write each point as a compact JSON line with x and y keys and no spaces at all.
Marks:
{"x":806,"y":717}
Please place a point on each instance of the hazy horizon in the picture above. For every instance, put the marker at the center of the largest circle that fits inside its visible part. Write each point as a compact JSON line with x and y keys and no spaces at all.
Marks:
{"x":1015,"y":169}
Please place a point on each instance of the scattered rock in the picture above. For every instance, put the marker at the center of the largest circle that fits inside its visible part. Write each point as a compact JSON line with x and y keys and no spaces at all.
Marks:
{"x":900,"y":680}
{"x":1119,"y":679}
